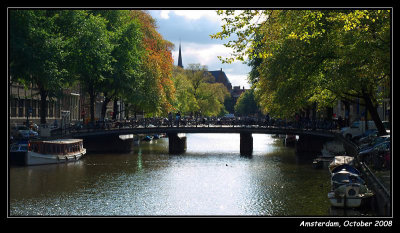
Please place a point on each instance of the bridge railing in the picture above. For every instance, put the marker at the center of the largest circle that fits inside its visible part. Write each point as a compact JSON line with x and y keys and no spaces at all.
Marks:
{"x":321,"y":125}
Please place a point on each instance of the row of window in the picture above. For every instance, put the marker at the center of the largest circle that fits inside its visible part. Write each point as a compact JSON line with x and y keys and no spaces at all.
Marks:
{"x":22,"y":107}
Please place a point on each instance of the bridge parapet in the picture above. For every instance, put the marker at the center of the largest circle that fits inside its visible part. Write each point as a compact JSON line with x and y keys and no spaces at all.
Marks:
{"x":309,"y":141}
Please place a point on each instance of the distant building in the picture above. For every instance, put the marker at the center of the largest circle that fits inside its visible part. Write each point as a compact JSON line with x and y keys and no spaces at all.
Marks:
{"x":236,"y":92}
{"x":220,"y":77}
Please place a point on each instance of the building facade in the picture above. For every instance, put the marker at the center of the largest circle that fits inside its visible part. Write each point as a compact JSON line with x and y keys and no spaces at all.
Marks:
{"x":24,"y":104}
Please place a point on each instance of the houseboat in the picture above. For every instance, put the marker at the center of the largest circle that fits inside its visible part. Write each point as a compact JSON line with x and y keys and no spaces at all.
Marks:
{"x":52,"y":151}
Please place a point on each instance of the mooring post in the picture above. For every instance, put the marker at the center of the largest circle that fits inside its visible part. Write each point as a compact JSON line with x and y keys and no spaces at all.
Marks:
{"x":246,"y":143}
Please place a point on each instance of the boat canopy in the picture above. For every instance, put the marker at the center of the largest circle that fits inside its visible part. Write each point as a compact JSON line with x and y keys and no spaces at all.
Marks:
{"x":59,"y":147}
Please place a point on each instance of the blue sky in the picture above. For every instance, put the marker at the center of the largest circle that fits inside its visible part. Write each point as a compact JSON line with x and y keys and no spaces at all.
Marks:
{"x":193,"y":28}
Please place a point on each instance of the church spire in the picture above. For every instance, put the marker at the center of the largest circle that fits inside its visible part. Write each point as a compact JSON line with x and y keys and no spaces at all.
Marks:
{"x":180,"y":56}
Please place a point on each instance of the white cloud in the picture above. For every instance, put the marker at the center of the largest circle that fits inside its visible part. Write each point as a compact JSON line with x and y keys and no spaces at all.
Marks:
{"x":198,"y":14}
{"x":191,"y":14}
{"x":164,"y":14}
{"x":193,"y":27}
{"x":205,"y":54}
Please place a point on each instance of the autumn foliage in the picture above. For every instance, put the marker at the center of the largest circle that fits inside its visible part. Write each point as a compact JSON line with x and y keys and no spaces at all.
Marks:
{"x":158,"y":64}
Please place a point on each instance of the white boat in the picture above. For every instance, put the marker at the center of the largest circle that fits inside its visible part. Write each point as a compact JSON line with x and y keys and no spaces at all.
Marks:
{"x":54,"y":151}
{"x":349,"y":195}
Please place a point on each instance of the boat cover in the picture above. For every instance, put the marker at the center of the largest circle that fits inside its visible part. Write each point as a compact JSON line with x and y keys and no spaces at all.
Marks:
{"x":345,"y":167}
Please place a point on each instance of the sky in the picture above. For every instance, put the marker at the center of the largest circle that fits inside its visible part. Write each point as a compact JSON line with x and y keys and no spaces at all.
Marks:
{"x":192,"y":28}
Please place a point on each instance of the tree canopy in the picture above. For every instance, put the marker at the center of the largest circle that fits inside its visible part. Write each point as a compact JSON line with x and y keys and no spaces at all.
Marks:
{"x":116,"y":53}
{"x":304,"y":56}
{"x":246,"y":103}
{"x":197,"y":91}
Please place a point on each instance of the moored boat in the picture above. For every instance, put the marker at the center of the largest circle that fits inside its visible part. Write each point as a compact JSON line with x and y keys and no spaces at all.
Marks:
{"x":345,"y":177}
{"x":54,"y":151}
{"x":349,"y":195}
{"x":340,"y":160}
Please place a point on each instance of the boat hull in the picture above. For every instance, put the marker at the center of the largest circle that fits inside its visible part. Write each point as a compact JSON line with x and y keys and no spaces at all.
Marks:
{"x":349,"y":196}
{"x":33,"y":158}
{"x":345,"y":202}
{"x":18,"y":158}
{"x":348,"y":202}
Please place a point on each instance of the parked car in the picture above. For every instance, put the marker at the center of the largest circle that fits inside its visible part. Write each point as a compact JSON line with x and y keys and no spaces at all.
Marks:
{"x":16,"y":129}
{"x":26,"y":134}
{"x":357,"y":128}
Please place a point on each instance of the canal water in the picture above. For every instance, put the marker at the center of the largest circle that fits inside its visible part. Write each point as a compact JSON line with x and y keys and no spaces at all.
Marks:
{"x":211,"y":178}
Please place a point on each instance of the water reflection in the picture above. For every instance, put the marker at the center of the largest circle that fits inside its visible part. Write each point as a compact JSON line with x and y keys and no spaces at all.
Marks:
{"x":211,"y":178}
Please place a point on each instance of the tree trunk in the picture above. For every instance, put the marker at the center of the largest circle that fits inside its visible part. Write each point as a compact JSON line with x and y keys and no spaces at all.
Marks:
{"x":374,"y":114}
{"x":92,"y":97}
{"x":115,"y":109}
{"x":346,"y":113}
{"x":104,"y":106}
{"x":127,"y":111}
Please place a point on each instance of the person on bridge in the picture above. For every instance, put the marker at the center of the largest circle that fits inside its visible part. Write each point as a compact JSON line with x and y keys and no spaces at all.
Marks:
{"x":170,"y":123}
{"x":178,"y":118}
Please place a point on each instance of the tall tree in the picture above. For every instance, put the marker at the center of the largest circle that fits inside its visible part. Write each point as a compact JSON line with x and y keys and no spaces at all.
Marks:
{"x":127,"y":53}
{"x":185,"y":101}
{"x":204,"y":95}
{"x":91,"y":55}
{"x":157,"y":91}
{"x":37,"y":53}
